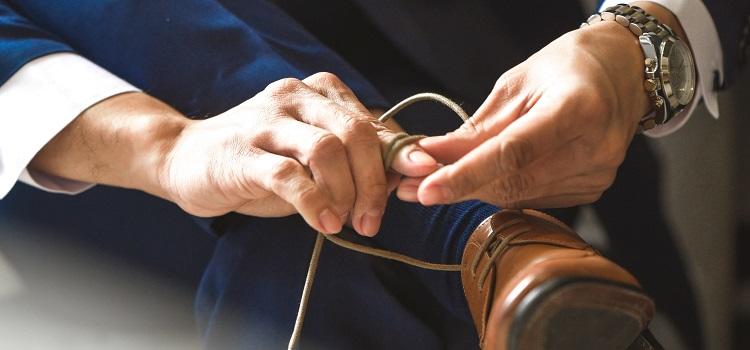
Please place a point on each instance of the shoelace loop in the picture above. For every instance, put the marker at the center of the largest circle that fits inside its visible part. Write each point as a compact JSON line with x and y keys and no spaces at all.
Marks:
{"x":390,"y":151}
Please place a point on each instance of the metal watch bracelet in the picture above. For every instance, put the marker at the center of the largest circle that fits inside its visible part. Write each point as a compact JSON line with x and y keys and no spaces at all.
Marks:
{"x":639,"y":23}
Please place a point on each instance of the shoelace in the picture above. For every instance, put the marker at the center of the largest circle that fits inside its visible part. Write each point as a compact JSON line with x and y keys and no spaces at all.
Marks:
{"x":495,"y":246}
{"x":389,"y":153}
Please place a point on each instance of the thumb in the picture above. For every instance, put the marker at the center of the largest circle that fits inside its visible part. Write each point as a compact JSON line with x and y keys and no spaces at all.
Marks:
{"x":450,"y":147}
{"x":413,"y":161}
{"x":499,"y":109}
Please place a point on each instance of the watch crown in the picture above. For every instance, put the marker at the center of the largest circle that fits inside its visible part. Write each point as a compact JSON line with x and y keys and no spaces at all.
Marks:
{"x":649,"y":85}
{"x":650,"y":62}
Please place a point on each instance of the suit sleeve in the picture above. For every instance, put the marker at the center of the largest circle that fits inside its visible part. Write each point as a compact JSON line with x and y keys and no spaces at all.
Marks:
{"x":21,"y":42}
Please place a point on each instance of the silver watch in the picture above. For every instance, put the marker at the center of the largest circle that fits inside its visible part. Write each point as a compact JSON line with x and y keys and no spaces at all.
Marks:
{"x":670,"y":77}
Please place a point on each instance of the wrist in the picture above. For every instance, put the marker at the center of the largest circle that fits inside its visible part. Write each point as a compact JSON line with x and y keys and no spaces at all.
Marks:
{"x":619,"y":53}
{"x":156,"y":138}
{"x":120,"y":141}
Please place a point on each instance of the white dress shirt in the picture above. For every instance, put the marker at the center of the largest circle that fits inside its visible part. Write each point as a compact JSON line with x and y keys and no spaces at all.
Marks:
{"x":48,"y":93}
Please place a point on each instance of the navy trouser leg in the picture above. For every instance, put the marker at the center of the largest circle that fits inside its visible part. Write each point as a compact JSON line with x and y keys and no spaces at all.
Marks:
{"x":250,"y":292}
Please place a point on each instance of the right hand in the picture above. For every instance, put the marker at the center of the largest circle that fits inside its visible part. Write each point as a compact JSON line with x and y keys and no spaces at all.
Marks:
{"x":298,"y":146}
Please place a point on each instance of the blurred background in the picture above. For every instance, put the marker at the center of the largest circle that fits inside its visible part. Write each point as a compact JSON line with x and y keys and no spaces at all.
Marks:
{"x":116,"y":269}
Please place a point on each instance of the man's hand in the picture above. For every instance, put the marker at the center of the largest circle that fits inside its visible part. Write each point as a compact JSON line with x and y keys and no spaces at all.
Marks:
{"x":553,"y":131}
{"x":298,"y":146}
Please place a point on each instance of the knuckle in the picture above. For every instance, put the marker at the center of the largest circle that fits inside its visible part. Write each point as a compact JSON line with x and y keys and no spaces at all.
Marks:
{"x":515,"y":154}
{"x":284,"y":86}
{"x":325,"y":78}
{"x":307,"y":195}
{"x":261,"y":136}
{"x":509,"y":82}
{"x":360,"y":130}
{"x":285,"y":170}
{"x":325,"y":145}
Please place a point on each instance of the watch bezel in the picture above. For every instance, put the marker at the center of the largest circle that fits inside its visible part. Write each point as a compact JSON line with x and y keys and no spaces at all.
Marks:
{"x":667,"y":49}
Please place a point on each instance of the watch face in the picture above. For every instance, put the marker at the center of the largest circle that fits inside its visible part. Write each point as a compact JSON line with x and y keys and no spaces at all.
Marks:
{"x":682,"y":72}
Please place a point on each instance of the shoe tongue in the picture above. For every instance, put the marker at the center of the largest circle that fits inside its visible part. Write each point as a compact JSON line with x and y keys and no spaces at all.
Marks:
{"x":556,"y":238}
{"x":537,"y":231}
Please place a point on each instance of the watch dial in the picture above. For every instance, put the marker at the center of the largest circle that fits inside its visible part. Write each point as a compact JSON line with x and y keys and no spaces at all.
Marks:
{"x":682,"y":72}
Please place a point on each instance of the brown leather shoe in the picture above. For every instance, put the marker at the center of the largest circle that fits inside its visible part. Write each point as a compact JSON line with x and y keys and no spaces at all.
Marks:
{"x":532,"y":283}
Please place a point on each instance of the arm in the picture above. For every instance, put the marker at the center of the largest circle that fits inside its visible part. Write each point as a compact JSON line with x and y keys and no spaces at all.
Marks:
{"x":305,"y":146}
{"x":269,"y":156}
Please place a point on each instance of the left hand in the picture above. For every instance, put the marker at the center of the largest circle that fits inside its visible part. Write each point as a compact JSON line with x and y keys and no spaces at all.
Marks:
{"x":553,"y":131}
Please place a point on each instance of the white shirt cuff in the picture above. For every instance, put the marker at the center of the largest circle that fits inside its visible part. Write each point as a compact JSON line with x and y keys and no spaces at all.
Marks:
{"x":40,"y":100}
{"x":704,"y":40}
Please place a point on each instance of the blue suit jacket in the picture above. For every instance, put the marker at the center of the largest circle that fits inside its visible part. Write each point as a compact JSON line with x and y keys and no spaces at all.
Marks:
{"x":200,"y":56}
{"x":204,"y":56}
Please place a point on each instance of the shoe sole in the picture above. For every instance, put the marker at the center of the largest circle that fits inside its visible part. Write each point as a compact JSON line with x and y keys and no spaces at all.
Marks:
{"x":580,"y":314}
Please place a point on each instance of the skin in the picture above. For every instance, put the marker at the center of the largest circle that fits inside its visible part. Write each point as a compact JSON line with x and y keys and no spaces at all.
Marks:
{"x":306,"y":147}
{"x":554,"y":129}
{"x":551,"y":133}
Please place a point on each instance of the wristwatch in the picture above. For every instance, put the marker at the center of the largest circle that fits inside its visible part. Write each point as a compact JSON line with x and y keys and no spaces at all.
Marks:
{"x":670,"y":76}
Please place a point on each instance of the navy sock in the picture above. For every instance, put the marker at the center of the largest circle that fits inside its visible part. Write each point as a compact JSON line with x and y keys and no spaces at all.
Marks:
{"x":436,"y":234}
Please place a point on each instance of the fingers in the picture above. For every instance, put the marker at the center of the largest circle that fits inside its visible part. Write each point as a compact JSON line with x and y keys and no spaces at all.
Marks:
{"x":319,"y":150}
{"x":529,"y":138}
{"x":362,"y":147}
{"x":336,"y":108}
{"x":569,"y":161}
{"x":503,"y":106}
{"x":336,"y":135}
{"x":413,"y":161}
{"x":407,"y":189}
{"x":410,"y":161}
{"x":288,"y":179}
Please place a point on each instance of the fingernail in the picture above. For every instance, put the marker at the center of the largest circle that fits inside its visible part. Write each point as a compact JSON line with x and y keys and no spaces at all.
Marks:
{"x":419,"y":157}
{"x":331,"y":223}
{"x":436,"y":194}
{"x":371,"y":224}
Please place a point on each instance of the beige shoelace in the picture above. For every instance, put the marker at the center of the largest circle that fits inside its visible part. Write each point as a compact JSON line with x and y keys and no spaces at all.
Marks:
{"x":389,"y":153}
